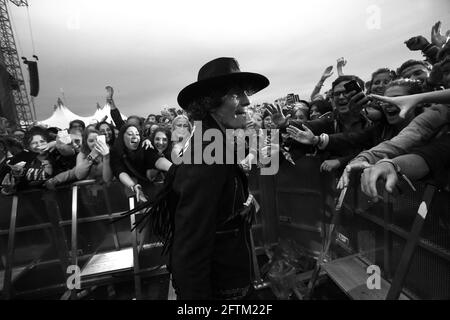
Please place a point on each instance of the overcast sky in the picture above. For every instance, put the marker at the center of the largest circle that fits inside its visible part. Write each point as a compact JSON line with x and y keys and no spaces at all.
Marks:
{"x":149,"y":50}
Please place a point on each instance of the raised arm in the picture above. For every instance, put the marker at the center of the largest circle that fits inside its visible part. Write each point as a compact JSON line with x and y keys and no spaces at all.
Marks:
{"x":328,"y":72}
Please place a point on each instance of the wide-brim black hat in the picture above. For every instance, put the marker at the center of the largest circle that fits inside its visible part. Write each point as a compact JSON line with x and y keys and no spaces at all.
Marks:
{"x":217,"y":74}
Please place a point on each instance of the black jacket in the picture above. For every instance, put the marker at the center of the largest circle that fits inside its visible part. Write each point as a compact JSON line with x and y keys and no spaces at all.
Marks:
{"x":210,"y":256}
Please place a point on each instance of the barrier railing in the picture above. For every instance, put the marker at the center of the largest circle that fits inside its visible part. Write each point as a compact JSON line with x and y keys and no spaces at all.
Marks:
{"x":78,"y":217}
{"x":407,"y":235}
{"x":43,"y":230}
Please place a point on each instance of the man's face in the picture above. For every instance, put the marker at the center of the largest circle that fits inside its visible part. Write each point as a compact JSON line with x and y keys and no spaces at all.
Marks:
{"x":340,"y":100}
{"x":416,"y":72}
{"x":232,"y":113}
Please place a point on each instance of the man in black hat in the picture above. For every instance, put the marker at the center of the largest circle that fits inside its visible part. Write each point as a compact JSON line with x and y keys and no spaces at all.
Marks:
{"x":211,"y":254}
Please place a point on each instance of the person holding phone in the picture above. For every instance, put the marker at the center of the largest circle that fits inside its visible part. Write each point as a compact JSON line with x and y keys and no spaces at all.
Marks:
{"x":93,"y":159}
{"x":130,"y":162}
{"x":181,"y":130}
{"x":35,"y":165}
{"x":368,"y":137}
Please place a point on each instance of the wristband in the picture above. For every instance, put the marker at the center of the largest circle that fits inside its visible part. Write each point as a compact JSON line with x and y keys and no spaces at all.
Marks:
{"x":399,"y":172}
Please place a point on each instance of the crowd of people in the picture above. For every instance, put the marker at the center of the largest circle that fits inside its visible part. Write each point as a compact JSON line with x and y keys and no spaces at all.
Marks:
{"x":349,"y":123}
{"x":393,"y":126}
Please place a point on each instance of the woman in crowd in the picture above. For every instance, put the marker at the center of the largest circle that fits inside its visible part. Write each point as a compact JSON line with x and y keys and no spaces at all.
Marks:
{"x":377,"y":85}
{"x":161,"y":140}
{"x":93,"y":159}
{"x":130,"y":161}
{"x":34,"y":166}
{"x":181,"y":130}
{"x":267,"y":121}
{"x":107,"y":130}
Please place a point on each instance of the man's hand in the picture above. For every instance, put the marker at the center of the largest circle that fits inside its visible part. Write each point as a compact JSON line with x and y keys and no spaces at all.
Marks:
{"x":437,"y":38}
{"x":352,"y":166}
{"x":330,"y":165}
{"x":417,"y":43}
{"x":328,"y":72}
{"x":371,"y":175}
{"x":304,"y":137}
{"x":357,"y":101}
{"x":278,"y":118}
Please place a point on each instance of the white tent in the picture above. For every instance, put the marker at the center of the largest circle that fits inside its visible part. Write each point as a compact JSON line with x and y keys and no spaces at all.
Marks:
{"x":62,"y":116}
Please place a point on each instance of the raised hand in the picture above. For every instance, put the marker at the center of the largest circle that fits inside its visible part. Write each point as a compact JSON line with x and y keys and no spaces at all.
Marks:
{"x":328,"y":72}
{"x":278,"y":118}
{"x":109,"y":93}
{"x":341,"y":62}
{"x":405,"y":103}
{"x":417,"y":43}
{"x":437,"y":38}
{"x":304,"y":137}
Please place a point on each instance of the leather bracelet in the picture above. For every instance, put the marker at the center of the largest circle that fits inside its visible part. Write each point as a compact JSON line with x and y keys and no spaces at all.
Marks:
{"x":399,"y":172}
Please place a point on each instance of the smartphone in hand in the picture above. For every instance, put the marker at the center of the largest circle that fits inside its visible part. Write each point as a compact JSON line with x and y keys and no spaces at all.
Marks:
{"x":101,"y":138}
{"x":353,"y":86}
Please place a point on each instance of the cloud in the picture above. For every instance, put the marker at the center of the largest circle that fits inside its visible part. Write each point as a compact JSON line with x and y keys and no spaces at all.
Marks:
{"x":148,"y":51}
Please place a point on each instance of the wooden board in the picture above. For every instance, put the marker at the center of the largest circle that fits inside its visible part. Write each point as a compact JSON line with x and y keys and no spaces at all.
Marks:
{"x":350,"y":274}
{"x":109,"y":262}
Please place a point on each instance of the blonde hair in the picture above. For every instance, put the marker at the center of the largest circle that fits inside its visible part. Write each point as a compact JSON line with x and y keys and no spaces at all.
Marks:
{"x":177,"y":118}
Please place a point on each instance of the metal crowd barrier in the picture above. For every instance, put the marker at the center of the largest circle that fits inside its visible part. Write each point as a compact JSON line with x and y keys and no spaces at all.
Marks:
{"x":407,"y":235}
{"x":69,"y":232}
{"x":411,"y":248}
